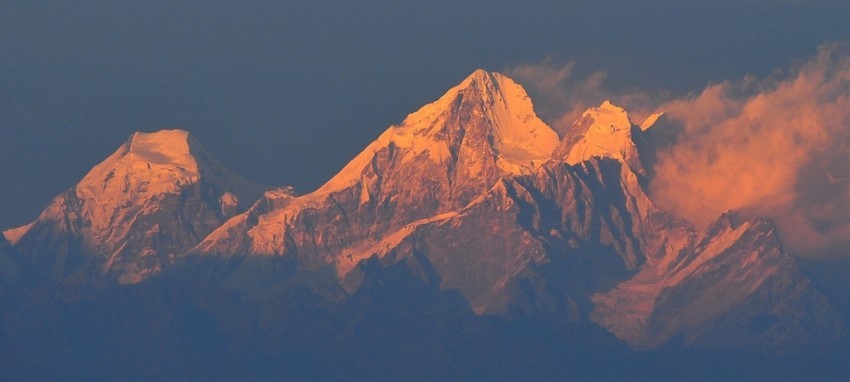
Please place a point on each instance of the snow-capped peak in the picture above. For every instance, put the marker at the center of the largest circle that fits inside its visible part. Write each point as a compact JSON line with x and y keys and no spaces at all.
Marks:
{"x":162,"y":147}
{"x":610,"y":114}
{"x":520,"y":136}
{"x":604,"y":131}
{"x":510,"y":128}
{"x":148,"y":163}
{"x":124,"y":214}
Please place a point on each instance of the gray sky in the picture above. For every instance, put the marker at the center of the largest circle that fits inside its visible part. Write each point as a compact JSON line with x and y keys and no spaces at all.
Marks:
{"x":287,"y":92}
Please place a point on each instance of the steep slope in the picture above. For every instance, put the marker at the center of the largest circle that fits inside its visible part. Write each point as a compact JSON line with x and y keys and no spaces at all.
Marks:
{"x":605,"y":131}
{"x":732,"y":286}
{"x":538,"y":244}
{"x":541,"y":243}
{"x":438,"y":160}
{"x":585,"y":241}
{"x":484,"y":125}
{"x":154,"y":198}
{"x":574,"y":226}
{"x":571,"y":219}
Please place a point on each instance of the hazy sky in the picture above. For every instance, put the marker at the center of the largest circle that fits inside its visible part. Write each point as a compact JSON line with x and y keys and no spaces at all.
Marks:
{"x":286,"y":92}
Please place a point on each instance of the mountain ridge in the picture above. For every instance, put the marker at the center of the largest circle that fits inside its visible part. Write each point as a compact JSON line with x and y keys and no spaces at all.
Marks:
{"x":472,"y":193}
{"x":139,"y":197}
{"x":453,"y":145}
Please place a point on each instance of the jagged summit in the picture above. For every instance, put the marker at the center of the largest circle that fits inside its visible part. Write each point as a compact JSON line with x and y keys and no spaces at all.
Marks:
{"x":162,"y":147}
{"x":604,"y":131}
{"x":520,"y":136}
{"x":152,"y":199}
{"x":437,"y":160}
{"x":487,"y":112}
{"x":615,"y":113}
{"x":159,"y":161}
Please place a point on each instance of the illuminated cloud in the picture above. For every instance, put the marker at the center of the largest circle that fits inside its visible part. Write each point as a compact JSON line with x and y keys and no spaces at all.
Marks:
{"x":561,"y":94}
{"x":778,"y":148}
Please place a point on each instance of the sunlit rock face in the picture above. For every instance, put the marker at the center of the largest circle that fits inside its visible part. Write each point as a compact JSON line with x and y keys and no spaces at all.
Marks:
{"x":134,"y":213}
{"x":606,"y":132}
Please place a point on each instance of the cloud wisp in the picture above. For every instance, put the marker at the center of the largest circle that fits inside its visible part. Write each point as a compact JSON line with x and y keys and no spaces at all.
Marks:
{"x":563,"y":92}
{"x":776,"y":147}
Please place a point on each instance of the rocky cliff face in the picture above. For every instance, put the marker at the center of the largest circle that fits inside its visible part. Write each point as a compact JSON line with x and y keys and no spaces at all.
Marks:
{"x":134,"y":213}
{"x":533,"y":244}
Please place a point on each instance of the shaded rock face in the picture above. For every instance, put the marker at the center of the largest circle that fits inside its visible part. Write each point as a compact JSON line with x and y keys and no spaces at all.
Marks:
{"x":569,"y":242}
{"x":133,"y":214}
{"x":534,"y":244}
{"x":731,"y":286}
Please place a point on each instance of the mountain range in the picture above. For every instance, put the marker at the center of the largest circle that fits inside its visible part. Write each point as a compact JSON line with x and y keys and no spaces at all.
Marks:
{"x":471,"y":217}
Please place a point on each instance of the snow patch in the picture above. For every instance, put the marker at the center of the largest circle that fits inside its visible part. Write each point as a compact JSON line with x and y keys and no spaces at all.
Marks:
{"x":650,"y":121}
{"x":607,"y":134}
